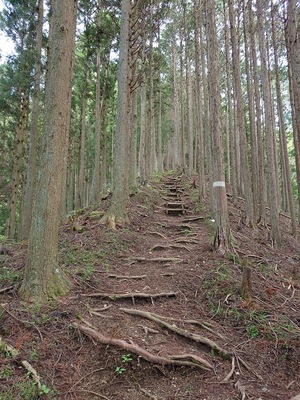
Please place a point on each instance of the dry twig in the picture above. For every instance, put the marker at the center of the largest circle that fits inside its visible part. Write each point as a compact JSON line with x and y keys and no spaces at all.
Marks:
{"x":241,"y":389}
{"x":6,"y":289}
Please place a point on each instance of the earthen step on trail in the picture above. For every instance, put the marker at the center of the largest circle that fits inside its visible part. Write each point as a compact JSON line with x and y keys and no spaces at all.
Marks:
{"x":173,"y":189}
{"x":174,"y":205}
{"x":172,"y":196}
{"x":172,"y":182}
{"x":175,"y":209}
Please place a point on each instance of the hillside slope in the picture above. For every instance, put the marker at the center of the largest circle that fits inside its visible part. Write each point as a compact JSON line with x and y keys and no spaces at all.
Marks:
{"x":154,"y":312}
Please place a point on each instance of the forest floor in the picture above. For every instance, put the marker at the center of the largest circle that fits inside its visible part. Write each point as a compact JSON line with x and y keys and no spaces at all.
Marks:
{"x":154,"y":312}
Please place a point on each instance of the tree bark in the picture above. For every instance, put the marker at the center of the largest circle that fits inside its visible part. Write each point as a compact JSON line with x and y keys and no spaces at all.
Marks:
{"x":199,"y":106}
{"x":286,"y":171}
{"x":272,"y":180}
{"x":17,"y":163}
{"x":245,"y":171}
{"x":96,"y":189}
{"x":292,"y":32}
{"x":32,"y":158}
{"x":43,"y":278}
{"x":222,"y":240}
{"x":260,"y":144}
{"x":117,"y":213}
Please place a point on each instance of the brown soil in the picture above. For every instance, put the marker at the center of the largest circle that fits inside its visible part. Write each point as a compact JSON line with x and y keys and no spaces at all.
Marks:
{"x":261,"y":335}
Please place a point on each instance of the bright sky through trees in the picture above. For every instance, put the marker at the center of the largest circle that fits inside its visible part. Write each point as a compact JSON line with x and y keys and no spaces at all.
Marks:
{"x":6,"y":44}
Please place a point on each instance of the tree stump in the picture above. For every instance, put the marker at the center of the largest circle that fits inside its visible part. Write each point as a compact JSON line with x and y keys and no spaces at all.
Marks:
{"x":246,"y":285}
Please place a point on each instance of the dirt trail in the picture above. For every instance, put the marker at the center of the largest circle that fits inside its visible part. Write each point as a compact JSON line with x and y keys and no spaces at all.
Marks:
{"x":156,"y":291}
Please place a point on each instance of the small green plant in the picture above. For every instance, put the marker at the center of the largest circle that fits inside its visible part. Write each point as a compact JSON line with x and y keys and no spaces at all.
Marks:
{"x":120,"y":370}
{"x":252,"y":331}
{"x":126,"y":358}
{"x":7,"y":395}
{"x":33,"y":355}
{"x":188,"y":389}
{"x":9,"y":276}
{"x":27,"y":390}
{"x":4,"y":351}
{"x":44,"y":390}
{"x":6,"y":372}
{"x":87,"y":272}
{"x":234,"y":258}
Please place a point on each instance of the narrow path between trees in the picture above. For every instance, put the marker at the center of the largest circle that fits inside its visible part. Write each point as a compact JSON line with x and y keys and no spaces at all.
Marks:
{"x":155,"y":313}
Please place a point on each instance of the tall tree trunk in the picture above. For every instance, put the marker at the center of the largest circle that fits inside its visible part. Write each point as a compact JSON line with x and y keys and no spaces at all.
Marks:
{"x":286,"y":171}
{"x":43,"y":278}
{"x":270,"y":150}
{"x":222,"y":232}
{"x":182,"y":116}
{"x":159,"y":125}
{"x":134,"y":81}
{"x":246,"y":177}
{"x":80,"y":198}
{"x":70,"y":181}
{"x":143,"y":93}
{"x":190,"y":113}
{"x":231,"y":131}
{"x":199,"y":108}
{"x":33,"y":135}
{"x":260,"y":144}
{"x":152,"y":127}
{"x":96,"y":190}
{"x":250,"y":94}
{"x":17,"y":163}
{"x":177,"y":151}
{"x":206,"y":115}
{"x":117,"y":213}
{"x":292,"y":33}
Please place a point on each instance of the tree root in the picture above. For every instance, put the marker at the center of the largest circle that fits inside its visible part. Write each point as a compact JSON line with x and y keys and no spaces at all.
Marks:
{"x":139,"y":351}
{"x":157,"y":259}
{"x":186,"y":241}
{"x":192,"y":219}
{"x":179,"y":331}
{"x":127,"y":276}
{"x":229,"y":375}
{"x":194,"y":322}
{"x":157,"y":234}
{"x":118,"y":296}
{"x":171,"y":246}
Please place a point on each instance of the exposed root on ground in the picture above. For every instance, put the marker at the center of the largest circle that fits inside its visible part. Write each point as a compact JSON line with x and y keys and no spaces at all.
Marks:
{"x":169,"y":246}
{"x":156,"y":259}
{"x":127,"y":276}
{"x":188,"y":360}
{"x":118,"y":296}
{"x":231,"y":372}
{"x":182,"y":332}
